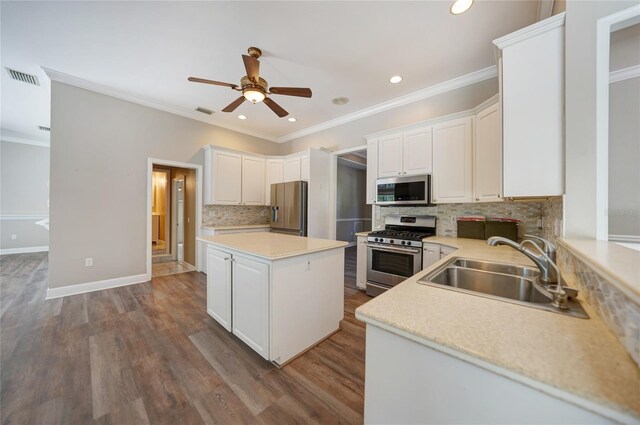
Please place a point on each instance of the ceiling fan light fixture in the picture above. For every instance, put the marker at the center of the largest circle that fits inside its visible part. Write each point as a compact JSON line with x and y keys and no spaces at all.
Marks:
{"x":460,"y":6}
{"x":253,"y":96}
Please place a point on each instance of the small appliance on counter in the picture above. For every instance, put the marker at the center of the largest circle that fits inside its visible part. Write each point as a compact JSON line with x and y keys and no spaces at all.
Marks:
{"x":395,"y":253}
{"x":289,"y":208}
{"x":480,"y":227}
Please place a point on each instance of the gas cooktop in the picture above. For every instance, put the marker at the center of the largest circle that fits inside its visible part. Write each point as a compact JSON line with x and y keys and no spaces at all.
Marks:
{"x":401,"y":234}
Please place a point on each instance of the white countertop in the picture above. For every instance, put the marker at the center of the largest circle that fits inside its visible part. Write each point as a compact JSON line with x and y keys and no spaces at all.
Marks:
{"x":271,"y":246}
{"x":578,"y":356}
{"x":238,"y":226}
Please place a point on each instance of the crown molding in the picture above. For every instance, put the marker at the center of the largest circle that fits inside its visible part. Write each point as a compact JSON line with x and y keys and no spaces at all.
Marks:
{"x":624,"y":74}
{"x":453,"y":84}
{"x":99,"y":88}
{"x":531,"y":31}
{"x":24,"y":141}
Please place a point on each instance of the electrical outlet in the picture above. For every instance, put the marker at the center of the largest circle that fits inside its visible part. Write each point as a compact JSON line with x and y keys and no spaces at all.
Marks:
{"x":308,"y":265}
{"x":14,"y":237}
{"x":88,"y":262}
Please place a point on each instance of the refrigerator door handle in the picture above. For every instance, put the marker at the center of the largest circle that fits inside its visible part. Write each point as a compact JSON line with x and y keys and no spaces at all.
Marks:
{"x":274,"y":214}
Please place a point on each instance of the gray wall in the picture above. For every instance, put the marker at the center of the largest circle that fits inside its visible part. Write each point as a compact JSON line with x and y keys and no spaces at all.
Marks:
{"x":99,"y":151}
{"x":624,"y":157}
{"x":352,"y":134}
{"x":24,"y":190}
{"x":351,"y":202}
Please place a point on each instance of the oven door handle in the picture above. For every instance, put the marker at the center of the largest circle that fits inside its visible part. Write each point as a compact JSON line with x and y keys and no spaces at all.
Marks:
{"x":394,"y":249}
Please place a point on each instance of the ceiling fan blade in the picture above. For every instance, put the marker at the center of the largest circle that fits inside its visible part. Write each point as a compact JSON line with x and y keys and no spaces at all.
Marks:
{"x":233,"y":105}
{"x":275,"y":107}
{"x":252,"y":65}
{"x":215,"y":83}
{"x":291,"y":91}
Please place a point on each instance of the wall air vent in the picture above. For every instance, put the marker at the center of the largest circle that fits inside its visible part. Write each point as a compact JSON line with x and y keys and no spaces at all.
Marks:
{"x":43,"y":128}
{"x":204,"y":110}
{"x":21,"y":76}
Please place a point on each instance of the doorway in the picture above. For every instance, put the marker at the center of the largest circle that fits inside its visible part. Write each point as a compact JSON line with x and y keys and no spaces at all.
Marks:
{"x":174,"y":205}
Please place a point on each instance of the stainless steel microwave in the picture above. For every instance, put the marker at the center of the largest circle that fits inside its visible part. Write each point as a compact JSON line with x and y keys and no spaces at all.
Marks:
{"x":410,"y":190}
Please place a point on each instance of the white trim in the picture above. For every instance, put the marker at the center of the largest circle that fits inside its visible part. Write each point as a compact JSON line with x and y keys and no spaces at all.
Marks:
{"x":446,"y":86}
{"x":155,"y":161}
{"x":426,"y":123}
{"x":24,"y":250}
{"x":99,"y":88}
{"x":545,"y":9}
{"x":23,"y":216}
{"x":624,"y":238}
{"x":624,"y":74}
{"x":99,"y":285}
{"x":567,"y":396}
{"x":23,"y":141}
{"x":530,"y":31}
{"x":491,"y":101}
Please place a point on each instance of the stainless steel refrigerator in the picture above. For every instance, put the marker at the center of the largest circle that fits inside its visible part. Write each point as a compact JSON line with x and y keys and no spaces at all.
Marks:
{"x":289,"y":208}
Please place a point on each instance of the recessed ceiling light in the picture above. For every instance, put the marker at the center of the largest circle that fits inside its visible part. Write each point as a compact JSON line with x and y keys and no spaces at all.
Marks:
{"x":341,"y":100}
{"x":395,"y":79}
{"x":460,"y":6}
{"x":242,"y":117}
{"x":291,"y":119}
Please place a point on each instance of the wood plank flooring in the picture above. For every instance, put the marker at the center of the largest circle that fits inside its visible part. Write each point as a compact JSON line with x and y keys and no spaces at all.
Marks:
{"x":150,"y":354}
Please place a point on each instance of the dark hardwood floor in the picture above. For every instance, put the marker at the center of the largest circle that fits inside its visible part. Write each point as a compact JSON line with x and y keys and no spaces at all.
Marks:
{"x":150,"y":354}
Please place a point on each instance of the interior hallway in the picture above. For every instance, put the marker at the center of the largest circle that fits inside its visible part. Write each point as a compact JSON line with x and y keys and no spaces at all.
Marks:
{"x":166,"y":268}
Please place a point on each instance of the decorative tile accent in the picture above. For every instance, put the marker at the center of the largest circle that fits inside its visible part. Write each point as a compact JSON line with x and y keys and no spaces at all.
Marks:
{"x":617,"y":311}
{"x":528,"y":212}
{"x":230,"y":215}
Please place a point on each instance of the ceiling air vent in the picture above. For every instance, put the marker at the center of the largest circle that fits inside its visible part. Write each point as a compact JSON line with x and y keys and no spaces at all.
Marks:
{"x":204,"y":110}
{"x":43,"y":128}
{"x":21,"y":76}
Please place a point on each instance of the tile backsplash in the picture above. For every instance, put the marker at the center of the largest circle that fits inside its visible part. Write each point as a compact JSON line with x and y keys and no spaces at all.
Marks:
{"x":230,"y":215}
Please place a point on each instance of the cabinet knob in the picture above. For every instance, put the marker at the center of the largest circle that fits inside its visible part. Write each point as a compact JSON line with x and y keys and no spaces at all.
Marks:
{"x":477,"y":199}
{"x":226,"y":258}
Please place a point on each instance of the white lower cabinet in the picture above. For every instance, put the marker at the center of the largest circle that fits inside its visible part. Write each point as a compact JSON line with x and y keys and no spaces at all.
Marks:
{"x":430,"y":254}
{"x":219,"y":286}
{"x":250,"y":306}
{"x":361,"y":263}
{"x":446,"y":250}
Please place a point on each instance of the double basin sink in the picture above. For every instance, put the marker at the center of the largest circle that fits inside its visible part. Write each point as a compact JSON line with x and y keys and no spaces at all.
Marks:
{"x":500,"y":281}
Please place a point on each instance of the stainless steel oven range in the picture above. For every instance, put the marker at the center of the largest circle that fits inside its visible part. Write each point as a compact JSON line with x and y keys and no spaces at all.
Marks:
{"x":395,"y":253}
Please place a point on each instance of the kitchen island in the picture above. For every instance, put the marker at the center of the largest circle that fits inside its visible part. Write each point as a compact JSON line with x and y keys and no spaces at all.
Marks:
{"x":279,"y":294}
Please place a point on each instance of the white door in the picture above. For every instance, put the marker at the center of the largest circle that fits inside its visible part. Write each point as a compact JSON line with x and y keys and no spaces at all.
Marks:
{"x":253,"y":170}
{"x":219,"y":286}
{"x":390,"y":156}
{"x":275,"y":174}
{"x":361,"y":263}
{"x":488,"y":156}
{"x":305,"y":168}
{"x":251,"y":304}
{"x":292,"y":169}
{"x":430,"y":254}
{"x":452,"y":173}
{"x":227,"y":178}
{"x":372,"y":171}
{"x":417,"y":152}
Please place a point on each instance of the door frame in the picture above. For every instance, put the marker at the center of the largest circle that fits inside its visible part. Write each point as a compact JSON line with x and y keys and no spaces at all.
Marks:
{"x":168,"y":163}
{"x":333,"y":185}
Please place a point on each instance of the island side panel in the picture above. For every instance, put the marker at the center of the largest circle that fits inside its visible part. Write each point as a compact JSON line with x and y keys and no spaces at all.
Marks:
{"x":307,"y":301}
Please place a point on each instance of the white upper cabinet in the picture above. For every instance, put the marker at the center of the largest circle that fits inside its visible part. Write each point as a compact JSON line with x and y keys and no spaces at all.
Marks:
{"x":487,"y":155}
{"x":407,"y":153}
{"x":253,"y":176}
{"x":304,"y":168}
{"x":372,"y":171}
{"x":275,"y":174}
{"x":292,"y":167}
{"x":532,"y":81}
{"x":452,"y":172}
{"x":227,"y":178}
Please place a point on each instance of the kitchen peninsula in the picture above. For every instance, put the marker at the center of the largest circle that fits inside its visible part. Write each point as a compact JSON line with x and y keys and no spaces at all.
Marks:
{"x":279,"y":294}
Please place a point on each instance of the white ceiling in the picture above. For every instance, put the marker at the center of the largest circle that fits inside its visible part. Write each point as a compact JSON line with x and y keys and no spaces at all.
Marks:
{"x":148,"y":50}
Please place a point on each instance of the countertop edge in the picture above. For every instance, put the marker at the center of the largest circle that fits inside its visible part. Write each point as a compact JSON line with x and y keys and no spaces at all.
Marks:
{"x":613,"y":412}
{"x":274,"y":258}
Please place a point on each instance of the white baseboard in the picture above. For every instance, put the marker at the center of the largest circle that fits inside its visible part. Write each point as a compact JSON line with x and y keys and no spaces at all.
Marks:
{"x":82,"y":288}
{"x":23,"y":250}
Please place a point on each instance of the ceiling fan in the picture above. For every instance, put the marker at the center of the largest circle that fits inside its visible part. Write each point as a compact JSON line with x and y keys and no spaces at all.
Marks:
{"x":254,"y":88}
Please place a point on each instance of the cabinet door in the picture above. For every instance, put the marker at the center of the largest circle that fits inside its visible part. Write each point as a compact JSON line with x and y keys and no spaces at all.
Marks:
{"x":452,"y":146}
{"x":361,"y":263}
{"x":219,"y":286}
{"x":390,"y":156}
{"x":292,"y":169}
{"x":430,"y":254}
{"x":487,"y":181}
{"x":253,"y":180}
{"x":227,"y":178}
{"x":372,"y":171}
{"x":251,"y":304}
{"x":417,"y":152}
{"x":275,"y":174}
{"x":304,"y":168}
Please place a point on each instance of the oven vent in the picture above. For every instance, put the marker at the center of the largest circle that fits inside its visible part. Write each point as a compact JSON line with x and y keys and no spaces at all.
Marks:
{"x":43,"y":128}
{"x":204,"y":110}
{"x":21,"y":76}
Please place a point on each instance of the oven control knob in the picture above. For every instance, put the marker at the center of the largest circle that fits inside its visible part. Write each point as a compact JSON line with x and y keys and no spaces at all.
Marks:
{"x":409,"y":243}
{"x":403,"y":242}
{"x":391,"y":241}
{"x":376,"y":239}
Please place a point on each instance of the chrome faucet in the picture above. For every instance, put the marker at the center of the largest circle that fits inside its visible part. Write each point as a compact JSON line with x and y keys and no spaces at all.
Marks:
{"x":549,"y":275}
